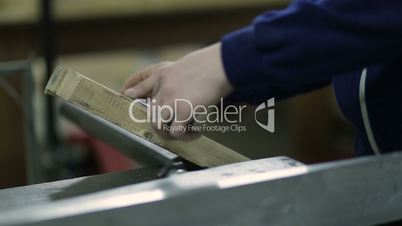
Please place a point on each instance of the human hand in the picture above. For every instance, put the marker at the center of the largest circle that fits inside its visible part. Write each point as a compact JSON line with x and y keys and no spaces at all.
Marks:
{"x":198,"y":77}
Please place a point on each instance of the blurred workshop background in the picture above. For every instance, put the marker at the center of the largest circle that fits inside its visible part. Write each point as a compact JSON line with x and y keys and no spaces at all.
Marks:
{"x":108,"y":41}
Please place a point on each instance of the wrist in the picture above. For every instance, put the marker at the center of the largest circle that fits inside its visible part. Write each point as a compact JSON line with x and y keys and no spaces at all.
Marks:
{"x":222,"y":80}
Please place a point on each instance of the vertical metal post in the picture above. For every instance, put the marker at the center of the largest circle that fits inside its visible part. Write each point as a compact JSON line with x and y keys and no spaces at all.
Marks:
{"x":48,"y":44}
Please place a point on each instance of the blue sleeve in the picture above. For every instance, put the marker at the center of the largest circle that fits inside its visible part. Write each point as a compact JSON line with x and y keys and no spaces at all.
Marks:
{"x":300,"y":48}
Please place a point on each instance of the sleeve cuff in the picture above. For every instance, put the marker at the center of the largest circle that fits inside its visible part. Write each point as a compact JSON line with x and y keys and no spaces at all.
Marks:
{"x":240,"y":58}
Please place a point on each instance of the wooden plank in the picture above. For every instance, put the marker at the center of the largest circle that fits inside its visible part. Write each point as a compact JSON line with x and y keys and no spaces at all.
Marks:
{"x":114,"y":107}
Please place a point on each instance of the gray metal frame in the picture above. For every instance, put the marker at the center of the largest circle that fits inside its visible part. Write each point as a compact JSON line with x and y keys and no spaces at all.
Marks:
{"x":363,"y":191}
{"x":33,"y":157}
{"x":128,"y":143}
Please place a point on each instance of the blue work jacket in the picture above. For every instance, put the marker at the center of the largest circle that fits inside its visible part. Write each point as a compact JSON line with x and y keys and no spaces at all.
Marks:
{"x":354,"y":44}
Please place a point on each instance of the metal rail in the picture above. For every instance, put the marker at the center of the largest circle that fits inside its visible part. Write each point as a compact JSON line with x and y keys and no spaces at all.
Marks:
{"x":364,"y":191}
{"x":128,"y":143}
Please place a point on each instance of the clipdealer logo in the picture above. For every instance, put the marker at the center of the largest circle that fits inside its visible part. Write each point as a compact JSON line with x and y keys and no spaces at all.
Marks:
{"x":202,"y":117}
{"x":270,"y":126}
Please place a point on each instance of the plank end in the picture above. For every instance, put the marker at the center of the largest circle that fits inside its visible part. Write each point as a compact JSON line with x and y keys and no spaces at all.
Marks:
{"x":63,"y":82}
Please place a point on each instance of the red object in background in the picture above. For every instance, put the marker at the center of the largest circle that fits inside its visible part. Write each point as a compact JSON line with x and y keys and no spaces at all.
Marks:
{"x":107,"y":158}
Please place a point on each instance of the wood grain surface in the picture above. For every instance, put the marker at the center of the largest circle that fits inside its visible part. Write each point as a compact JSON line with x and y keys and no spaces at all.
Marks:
{"x":114,"y":107}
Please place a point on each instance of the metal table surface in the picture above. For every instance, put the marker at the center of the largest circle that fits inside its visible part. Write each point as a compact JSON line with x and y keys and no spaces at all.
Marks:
{"x":363,"y":191}
{"x":13,"y":198}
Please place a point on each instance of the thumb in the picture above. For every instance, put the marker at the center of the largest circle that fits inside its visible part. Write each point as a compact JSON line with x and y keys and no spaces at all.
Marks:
{"x":142,"y":89}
